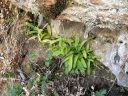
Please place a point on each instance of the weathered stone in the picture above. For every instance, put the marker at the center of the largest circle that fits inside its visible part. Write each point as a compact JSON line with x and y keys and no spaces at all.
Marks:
{"x":107,"y":44}
{"x":47,"y":8}
{"x":110,"y":14}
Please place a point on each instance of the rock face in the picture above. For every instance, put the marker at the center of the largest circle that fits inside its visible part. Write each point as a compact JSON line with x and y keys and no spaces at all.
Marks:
{"x":107,"y":20}
{"x":47,"y":8}
{"x":112,"y":47}
{"x":98,"y":13}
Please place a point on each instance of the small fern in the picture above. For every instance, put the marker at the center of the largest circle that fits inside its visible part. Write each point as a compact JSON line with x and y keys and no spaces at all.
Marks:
{"x":35,"y":32}
{"x":78,"y":56}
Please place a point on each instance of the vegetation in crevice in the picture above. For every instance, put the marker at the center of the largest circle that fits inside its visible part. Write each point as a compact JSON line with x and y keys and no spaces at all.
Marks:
{"x":77,"y":56}
{"x":67,"y":67}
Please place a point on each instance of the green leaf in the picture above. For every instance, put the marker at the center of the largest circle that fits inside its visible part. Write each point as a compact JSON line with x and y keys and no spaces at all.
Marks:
{"x":38,"y":30}
{"x":39,"y":37}
{"x":68,"y":64}
{"x":87,"y":48}
{"x":69,"y":53}
{"x":62,"y":50}
{"x":83,"y":62}
{"x":42,"y":36}
{"x":68,"y":40}
{"x":91,"y":60}
{"x":65,"y":50}
{"x":33,"y":26}
{"x":30,"y":25}
{"x":82,"y":44}
{"x":55,"y":41}
{"x":47,"y":37}
{"x":84,"y":54}
{"x":31,"y":32}
{"x":46,"y":41}
{"x":60,"y":43}
{"x":67,"y":58}
{"x":57,"y":53}
{"x":75,"y":60}
{"x":80,"y":67}
{"x":49,"y":29}
{"x":45,"y":26}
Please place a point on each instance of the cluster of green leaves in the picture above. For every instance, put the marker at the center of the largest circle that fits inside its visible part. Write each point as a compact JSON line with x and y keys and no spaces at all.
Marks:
{"x":15,"y":90}
{"x":101,"y":92}
{"x":40,"y":33}
{"x":78,"y":56}
{"x":8,"y":74}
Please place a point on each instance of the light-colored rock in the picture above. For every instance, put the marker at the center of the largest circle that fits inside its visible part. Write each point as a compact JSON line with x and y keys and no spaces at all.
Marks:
{"x":98,"y":13}
{"x":109,"y":43}
{"x":67,"y":28}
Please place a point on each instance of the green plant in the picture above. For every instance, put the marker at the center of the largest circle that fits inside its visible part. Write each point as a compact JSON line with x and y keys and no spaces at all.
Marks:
{"x":48,"y":58}
{"x":14,"y":90}
{"x":101,"y":92}
{"x":78,"y":56}
{"x":8,"y":74}
{"x":35,"y":32}
{"x":59,"y":45}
